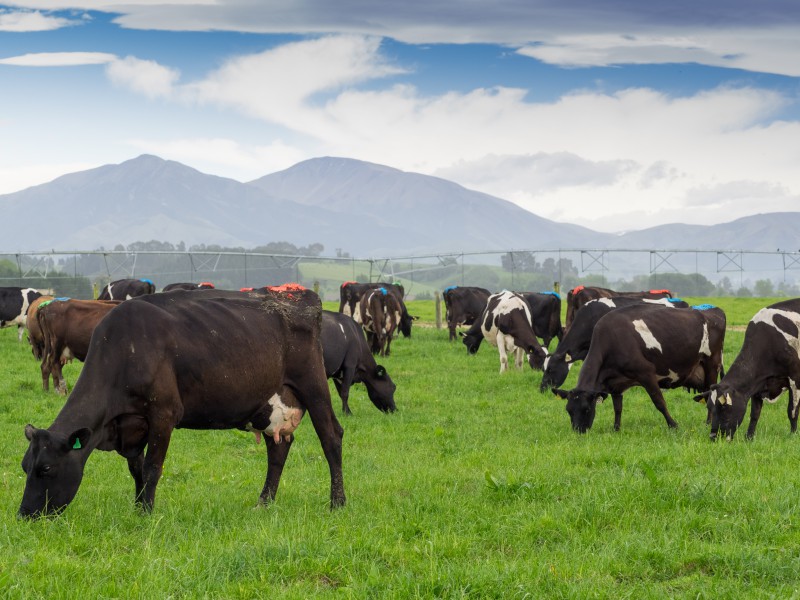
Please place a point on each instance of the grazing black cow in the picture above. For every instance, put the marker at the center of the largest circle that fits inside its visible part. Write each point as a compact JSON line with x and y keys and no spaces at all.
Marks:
{"x":204,"y":285}
{"x":351,"y":292}
{"x":66,"y":327}
{"x":546,"y":315}
{"x":125,"y":289}
{"x":195,"y":361}
{"x":14,"y":303}
{"x":650,"y":347}
{"x":463,"y":305}
{"x":348,"y":360}
{"x":767,"y":364}
{"x":506,"y":324}
{"x":378,"y":310}
{"x":575,"y":344}
{"x":580,"y":295}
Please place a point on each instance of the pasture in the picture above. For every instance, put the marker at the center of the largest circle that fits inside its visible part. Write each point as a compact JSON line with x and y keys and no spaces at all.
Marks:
{"x":477,"y":488}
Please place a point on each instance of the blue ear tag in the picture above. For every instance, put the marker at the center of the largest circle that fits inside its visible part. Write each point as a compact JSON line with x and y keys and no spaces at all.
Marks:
{"x":77,"y":444}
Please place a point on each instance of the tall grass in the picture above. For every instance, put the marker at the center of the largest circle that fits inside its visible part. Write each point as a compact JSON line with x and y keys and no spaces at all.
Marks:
{"x":476,"y":487}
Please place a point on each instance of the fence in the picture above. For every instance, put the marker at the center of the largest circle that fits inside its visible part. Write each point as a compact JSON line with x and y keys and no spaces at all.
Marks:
{"x":80,"y":274}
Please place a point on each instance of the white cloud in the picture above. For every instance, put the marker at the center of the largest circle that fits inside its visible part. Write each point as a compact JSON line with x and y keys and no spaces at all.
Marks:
{"x":146,"y":77}
{"x":59,"y":59}
{"x":18,"y":21}
{"x":763,"y":49}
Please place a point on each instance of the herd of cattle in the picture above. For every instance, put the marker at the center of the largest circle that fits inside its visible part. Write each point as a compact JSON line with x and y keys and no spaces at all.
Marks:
{"x":157,"y":363}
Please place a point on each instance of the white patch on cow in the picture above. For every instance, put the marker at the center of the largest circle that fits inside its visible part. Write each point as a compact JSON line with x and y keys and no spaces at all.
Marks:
{"x":607,"y":301}
{"x":110,"y":293}
{"x":767,"y":316}
{"x":795,"y":396}
{"x":507,"y":303}
{"x":546,"y":362}
{"x":133,"y":349}
{"x":567,"y":357}
{"x":66,"y":355}
{"x":705,"y":346}
{"x":128,"y":296}
{"x":346,"y":309}
{"x":660,"y":301}
{"x":649,"y":339}
{"x":283,"y":419}
{"x":357,"y":312}
{"x":671,"y":375}
{"x":342,"y":328}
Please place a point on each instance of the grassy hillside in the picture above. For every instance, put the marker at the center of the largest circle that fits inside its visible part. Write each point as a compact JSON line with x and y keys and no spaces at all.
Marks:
{"x":477,"y":487}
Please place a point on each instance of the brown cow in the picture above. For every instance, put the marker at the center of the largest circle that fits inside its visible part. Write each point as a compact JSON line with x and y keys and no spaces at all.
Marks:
{"x":580,"y":295}
{"x":67,"y":327}
{"x":35,"y":337}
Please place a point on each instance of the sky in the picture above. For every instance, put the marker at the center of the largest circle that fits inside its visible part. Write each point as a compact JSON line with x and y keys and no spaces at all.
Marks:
{"x":615,"y":115}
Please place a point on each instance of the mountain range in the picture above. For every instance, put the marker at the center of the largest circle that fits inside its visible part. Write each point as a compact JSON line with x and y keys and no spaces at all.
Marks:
{"x":348,"y":206}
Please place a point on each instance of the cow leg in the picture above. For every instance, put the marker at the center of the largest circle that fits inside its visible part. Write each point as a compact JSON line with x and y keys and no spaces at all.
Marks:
{"x":388,"y":345}
{"x":317,"y":402}
{"x":343,"y":389}
{"x":136,"y":466}
{"x":159,"y":434}
{"x":452,"y":329}
{"x":45,"y":368}
{"x":755,"y":412}
{"x":658,"y":400}
{"x":792,"y":410}
{"x":617,"y":400}
{"x":59,"y":383}
{"x":276,"y":459}
{"x":501,"y":348}
{"x":519,"y":357}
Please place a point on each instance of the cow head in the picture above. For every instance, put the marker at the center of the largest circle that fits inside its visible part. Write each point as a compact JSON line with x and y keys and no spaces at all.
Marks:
{"x":472,"y":341}
{"x":380,"y":389}
{"x":556,"y":369}
{"x":727,"y":409}
{"x":406,"y":321}
{"x":536,"y":357}
{"x":581,"y":406}
{"x":54,"y":465}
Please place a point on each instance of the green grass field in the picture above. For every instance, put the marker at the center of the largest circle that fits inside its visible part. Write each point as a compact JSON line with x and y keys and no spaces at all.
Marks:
{"x":477,"y":487}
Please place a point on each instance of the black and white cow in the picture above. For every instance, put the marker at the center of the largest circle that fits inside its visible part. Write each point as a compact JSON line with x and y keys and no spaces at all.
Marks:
{"x":767,"y":364}
{"x":203,"y":285}
{"x":125,"y":289}
{"x":580,"y":295}
{"x":463,"y":305}
{"x":647,"y":346}
{"x":351,"y":293}
{"x":574,"y":345}
{"x":14,"y":303}
{"x":506,"y":324}
{"x":546,"y":315}
{"x":378,"y":310}
{"x":348,"y":360}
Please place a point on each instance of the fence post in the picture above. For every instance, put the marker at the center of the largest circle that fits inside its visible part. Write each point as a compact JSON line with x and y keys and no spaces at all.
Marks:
{"x":438,"y":299}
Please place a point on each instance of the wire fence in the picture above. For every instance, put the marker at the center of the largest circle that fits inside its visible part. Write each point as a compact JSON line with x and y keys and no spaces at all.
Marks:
{"x":80,"y":274}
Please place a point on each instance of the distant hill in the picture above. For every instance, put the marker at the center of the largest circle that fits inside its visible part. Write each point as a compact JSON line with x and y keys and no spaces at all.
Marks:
{"x":357,"y":207}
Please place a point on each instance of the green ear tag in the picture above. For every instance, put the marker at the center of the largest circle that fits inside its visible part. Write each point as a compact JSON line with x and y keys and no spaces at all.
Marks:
{"x":77,"y":444}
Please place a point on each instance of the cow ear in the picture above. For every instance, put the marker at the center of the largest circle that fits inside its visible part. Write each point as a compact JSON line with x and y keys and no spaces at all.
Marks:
{"x":29,"y":431}
{"x":380,"y":371}
{"x":79,"y":439}
{"x":462,"y":334}
{"x":703,"y":397}
{"x":560,"y":393}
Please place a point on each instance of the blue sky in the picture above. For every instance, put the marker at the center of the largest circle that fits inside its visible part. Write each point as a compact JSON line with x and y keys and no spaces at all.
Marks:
{"x":615,"y":115}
